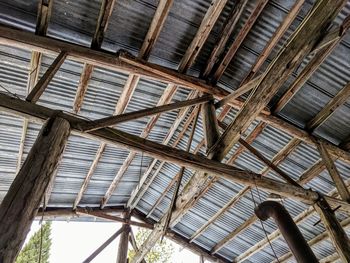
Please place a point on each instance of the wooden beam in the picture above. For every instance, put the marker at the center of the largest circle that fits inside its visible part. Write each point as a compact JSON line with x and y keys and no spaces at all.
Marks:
{"x":119,"y":109}
{"x":166,"y":97}
{"x":322,"y":52}
{"x":208,"y":22}
{"x":239,"y":39}
{"x":330,"y":107}
{"x":44,"y":81}
{"x":142,"y":186}
{"x":82,"y":86}
{"x":287,"y":21}
{"x":156,"y":26}
{"x":162,"y":152}
{"x":266,"y":161}
{"x":91,"y":171}
{"x":43,"y":17}
{"x":333,"y":172}
{"x":227,"y":29}
{"x":113,"y":120}
{"x":104,"y":245}
{"x":210,"y":124}
{"x":22,"y":201}
{"x":122,"y":256}
{"x":96,"y":43}
{"x":170,"y":185}
{"x":251,"y":84}
{"x":102,"y":23}
{"x":296,"y":49}
{"x":221,"y":211}
{"x":335,"y":231}
{"x":251,"y":220}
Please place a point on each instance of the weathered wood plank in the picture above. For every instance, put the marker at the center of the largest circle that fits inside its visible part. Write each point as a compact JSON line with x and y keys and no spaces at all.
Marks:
{"x":113,"y":120}
{"x":302,"y":42}
{"x":212,"y":14}
{"x":323,"y":50}
{"x":156,"y":26}
{"x":330,"y":107}
{"x":142,"y":187}
{"x":44,"y":81}
{"x":227,"y":29}
{"x":333,"y":172}
{"x":22,"y":201}
{"x":91,"y":171}
{"x":239,"y":39}
{"x":234,"y":233}
{"x":270,"y":164}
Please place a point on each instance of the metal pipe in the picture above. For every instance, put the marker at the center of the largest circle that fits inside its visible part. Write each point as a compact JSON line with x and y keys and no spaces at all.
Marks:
{"x":291,"y":233}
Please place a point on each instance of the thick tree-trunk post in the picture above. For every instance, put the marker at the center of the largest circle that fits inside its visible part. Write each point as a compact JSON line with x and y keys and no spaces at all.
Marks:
{"x":22,"y":201}
{"x":124,"y":241}
{"x":210,"y":124}
{"x":336,"y":233}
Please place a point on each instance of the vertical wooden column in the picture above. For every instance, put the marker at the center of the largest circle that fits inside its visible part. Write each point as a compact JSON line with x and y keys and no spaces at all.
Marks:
{"x":335,"y":231}
{"x":210,"y":124}
{"x":122,"y":256}
{"x":22,"y":201}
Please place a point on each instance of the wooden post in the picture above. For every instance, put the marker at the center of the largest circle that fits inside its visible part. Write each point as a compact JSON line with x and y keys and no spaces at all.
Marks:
{"x":124,"y":241}
{"x":22,"y":201}
{"x":336,"y":233}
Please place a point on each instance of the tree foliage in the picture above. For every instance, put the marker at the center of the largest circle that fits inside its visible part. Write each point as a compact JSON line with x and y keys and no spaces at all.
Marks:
{"x":160,"y":253}
{"x":30,"y":253}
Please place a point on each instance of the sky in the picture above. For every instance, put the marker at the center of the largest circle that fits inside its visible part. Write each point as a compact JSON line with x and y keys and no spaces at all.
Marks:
{"x":75,"y":241}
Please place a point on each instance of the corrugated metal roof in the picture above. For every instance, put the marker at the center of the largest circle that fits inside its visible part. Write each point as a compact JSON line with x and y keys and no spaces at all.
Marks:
{"x":75,"y":21}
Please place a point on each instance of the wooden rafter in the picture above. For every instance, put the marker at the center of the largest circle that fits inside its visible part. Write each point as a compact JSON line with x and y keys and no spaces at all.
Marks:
{"x":142,"y":186}
{"x":281,"y":30}
{"x":330,"y":108}
{"x":113,"y":120}
{"x":196,"y":45}
{"x":267,"y":162}
{"x":166,"y":97}
{"x":227,"y":29}
{"x":210,"y":18}
{"x":239,"y":39}
{"x":323,"y":50}
{"x":105,"y":13}
{"x":129,"y":88}
{"x":335,"y":231}
{"x":44,"y":81}
{"x":333,"y":172}
{"x":302,"y":42}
